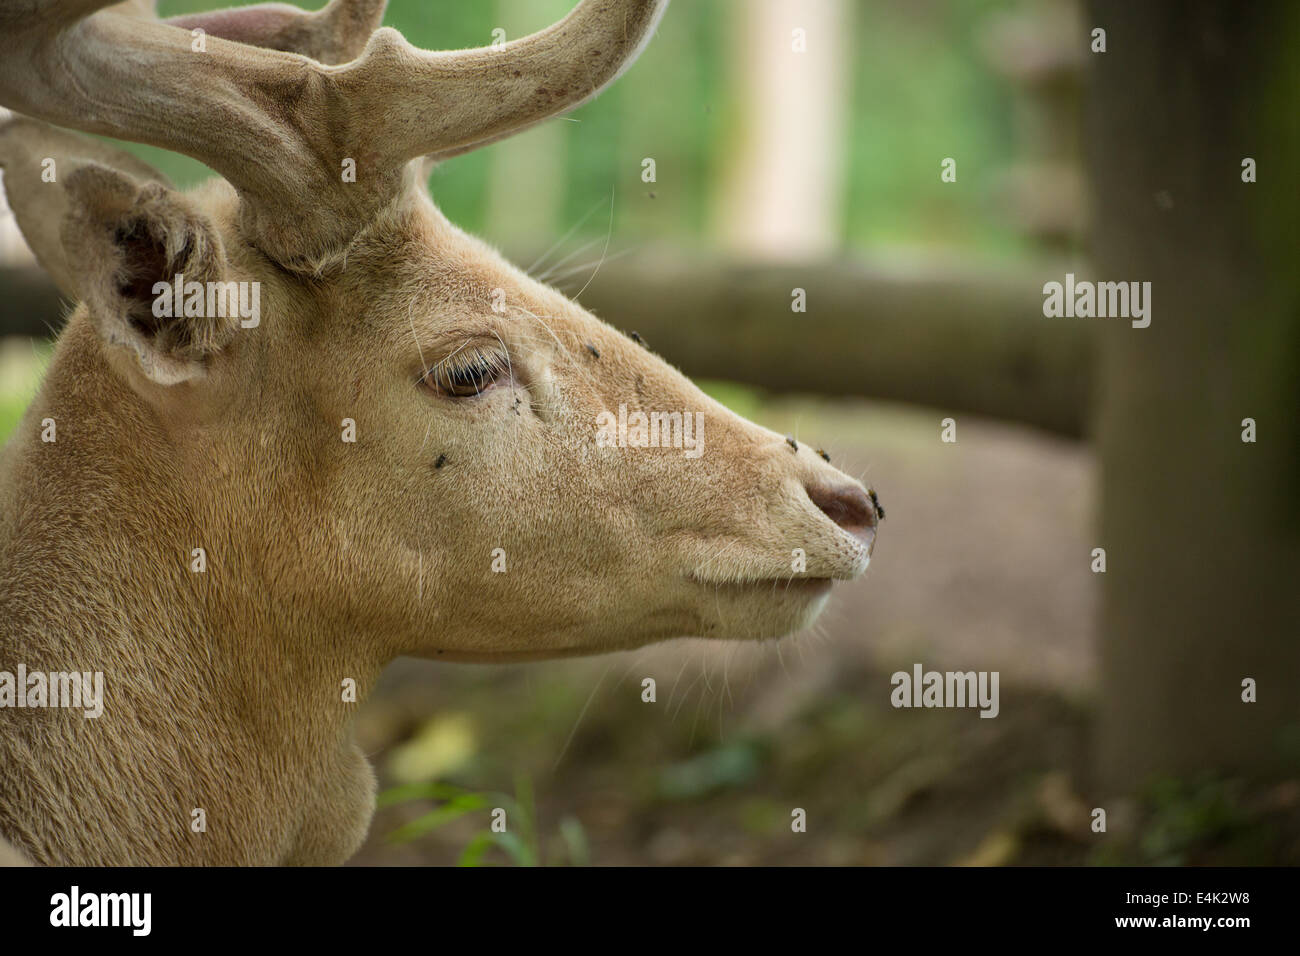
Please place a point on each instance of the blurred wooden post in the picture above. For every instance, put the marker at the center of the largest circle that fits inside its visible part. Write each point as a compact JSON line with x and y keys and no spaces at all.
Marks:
{"x":1201,"y":530}
{"x":782,"y":194}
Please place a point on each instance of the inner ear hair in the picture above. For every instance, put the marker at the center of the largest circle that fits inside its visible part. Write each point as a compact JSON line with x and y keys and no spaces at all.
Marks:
{"x":145,"y":262}
{"x":132,"y":240}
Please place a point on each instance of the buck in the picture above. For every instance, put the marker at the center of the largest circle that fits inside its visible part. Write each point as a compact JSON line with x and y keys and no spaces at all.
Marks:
{"x":200,"y":531}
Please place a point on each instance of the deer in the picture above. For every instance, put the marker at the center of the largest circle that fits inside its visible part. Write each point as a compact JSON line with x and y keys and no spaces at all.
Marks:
{"x":234,"y":521}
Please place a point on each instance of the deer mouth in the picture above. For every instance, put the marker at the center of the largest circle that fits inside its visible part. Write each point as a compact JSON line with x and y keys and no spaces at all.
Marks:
{"x":794,"y":586}
{"x":760,"y":608}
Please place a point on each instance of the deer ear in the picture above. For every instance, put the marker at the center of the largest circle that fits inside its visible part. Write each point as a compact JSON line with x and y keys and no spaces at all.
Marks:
{"x":36,"y":158}
{"x":145,"y":255}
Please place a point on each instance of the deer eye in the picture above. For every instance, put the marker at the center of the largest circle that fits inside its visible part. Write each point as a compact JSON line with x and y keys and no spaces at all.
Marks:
{"x":467,"y":372}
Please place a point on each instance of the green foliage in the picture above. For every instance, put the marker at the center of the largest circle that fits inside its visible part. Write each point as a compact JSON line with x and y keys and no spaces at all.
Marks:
{"x":922,"y":92}
{"x":730,"y":765}
{"x":1206,"y":820}
{"x":680,"y":106}
{"x":741,"y":399}
{"x":11,"y":413}
{"x":21,"y":367}
{"x":520,"y":843}
{"x":1186,"y":814}
{"x":456,"y":803}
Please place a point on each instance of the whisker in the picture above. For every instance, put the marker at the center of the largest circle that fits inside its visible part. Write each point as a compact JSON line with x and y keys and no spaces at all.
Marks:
{"x":410,"y":318}
{"x":687,"y":693}
{"x":565,"y":238}
{"x":550,"y":270}
{"x":672,"y":692}
{"x":581,"y":714}
{"x":587,"y":265}
{"x":608,"y":234}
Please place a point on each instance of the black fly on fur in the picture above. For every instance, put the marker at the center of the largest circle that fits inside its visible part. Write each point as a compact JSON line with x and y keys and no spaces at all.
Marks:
{"x":592,"y":349}
{"x":880,"y":512}
{"x":791,"y":442}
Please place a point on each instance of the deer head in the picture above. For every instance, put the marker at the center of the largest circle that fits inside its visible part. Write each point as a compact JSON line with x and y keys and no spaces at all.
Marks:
{"x":402,"y":449}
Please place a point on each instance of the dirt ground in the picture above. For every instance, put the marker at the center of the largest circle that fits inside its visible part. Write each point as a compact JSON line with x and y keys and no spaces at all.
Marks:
{"x":983,"y":563}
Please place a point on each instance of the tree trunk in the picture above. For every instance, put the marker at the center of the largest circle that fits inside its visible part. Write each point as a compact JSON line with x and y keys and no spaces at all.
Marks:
{"x":1201,"y":530}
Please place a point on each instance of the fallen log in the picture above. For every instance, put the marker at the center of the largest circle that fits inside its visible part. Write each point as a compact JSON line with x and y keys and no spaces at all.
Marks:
{"x":958,"y":339}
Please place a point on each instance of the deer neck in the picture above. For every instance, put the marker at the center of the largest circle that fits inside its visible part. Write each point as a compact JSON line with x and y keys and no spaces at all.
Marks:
{"x":131,"y":574}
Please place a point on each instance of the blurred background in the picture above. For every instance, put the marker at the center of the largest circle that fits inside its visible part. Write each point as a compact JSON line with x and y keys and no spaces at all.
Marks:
{"x":919,"y":170}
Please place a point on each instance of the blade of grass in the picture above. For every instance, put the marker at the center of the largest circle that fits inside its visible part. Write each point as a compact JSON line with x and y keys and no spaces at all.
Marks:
{"x":452,"y":810}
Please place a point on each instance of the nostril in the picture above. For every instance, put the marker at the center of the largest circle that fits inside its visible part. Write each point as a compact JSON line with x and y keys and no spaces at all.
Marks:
{"x":848,"y":506}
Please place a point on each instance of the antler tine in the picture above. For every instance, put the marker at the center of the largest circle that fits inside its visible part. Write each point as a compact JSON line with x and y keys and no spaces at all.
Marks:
{"x":336,"y":33}
{"x":283,"y":128}
{"x":462,"y":99}
{"x":50,"y":11}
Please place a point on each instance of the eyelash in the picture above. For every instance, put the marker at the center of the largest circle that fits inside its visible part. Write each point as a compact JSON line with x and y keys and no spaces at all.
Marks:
{"x":468,"y":372}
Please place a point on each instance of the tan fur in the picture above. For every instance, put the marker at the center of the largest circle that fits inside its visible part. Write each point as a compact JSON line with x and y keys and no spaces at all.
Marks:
{"x":328,"y":559}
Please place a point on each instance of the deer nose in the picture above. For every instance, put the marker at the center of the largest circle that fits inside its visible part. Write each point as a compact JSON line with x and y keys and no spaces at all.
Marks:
{"x":849,"y":507}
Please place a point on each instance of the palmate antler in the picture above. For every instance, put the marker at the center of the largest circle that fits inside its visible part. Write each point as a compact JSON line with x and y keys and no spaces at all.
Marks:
{"x":280,"y":125}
